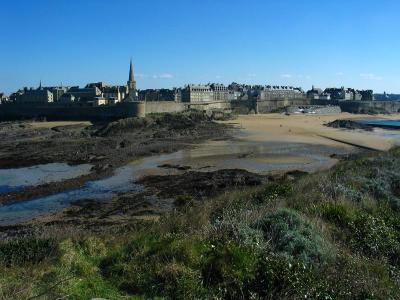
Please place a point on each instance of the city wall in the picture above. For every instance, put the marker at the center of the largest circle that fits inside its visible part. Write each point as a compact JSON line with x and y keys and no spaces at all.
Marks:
{"x":264,"y":106}
{"x":80,"y":112}
{"x":356,"y":107}
{"x":74,"y":111}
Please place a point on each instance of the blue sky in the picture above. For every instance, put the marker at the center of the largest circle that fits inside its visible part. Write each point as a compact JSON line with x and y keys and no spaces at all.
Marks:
{"x":173,"y":42}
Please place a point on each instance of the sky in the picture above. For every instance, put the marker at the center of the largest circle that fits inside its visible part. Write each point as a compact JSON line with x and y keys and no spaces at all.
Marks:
{"x":352,"y":43}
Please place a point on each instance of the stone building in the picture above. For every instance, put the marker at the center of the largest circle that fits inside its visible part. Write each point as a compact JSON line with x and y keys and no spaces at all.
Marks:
{"x":367,"y":95}
{"x":314,"y":93}
{"x":99,"y":101}
{"x":57,"y":91}
{"x":86,"y":94}
{"x":156,"y":95}
{"x":205,"y":93}
{"x":100,"y":85}
{"x":281,"y":92}
{"x":349,"y":94}
{"x":197,"y":94}
{"x":234,"y":95}
{"x":67,"y":98}
{"x":115,"y":93}
{"x":178,"y":94}
{"x":39,"y":95}
{"x":341,"y":94}
{"x":221,"y":92}
{"x":318,"y":94}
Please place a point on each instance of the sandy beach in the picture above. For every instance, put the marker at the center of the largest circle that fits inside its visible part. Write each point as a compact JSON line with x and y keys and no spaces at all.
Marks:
{"x":310,"y":129}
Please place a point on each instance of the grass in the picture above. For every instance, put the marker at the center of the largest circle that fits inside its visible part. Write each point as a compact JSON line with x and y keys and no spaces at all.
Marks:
{"x":331,"y":235}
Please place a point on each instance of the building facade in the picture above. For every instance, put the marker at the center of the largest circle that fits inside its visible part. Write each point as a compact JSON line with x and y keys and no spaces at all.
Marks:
{"x":220,"y":91}
{"x":342,"y":94}
{"x":197,"y":94}
{"x":157,"y":95}
{"x":86,"y":94}
{"x":115,"y":93}
{"x":281,"y":92}
{"x":39,"y":95}
{"x":205,"y":93}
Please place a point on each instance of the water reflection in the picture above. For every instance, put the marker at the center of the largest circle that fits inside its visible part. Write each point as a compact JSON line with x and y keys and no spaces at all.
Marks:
{"x":251,"y":156}
{"x":12,"y":180}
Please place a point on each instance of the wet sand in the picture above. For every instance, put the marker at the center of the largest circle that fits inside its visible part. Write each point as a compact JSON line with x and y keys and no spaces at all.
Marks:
{"x":276,"y":143}
{"x":53,"y":124}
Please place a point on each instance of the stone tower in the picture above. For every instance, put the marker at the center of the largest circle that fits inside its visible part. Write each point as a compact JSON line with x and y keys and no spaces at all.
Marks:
{"x":131,"y":82}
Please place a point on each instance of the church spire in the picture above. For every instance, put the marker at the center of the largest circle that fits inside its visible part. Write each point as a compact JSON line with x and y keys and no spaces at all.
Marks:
{"x":131,"y":75}
{"x":132,"y":93}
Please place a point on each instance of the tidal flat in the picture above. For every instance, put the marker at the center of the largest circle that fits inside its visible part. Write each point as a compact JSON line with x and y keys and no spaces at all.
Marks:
{"x":139,"y":169}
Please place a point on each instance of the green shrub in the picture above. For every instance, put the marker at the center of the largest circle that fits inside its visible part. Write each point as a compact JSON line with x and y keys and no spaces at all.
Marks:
{"x":24,"y":251}
{"x":338,"y":213}
{"x":375,"y":237}
{"x":229,"y":270}
{"x":235,"y":225}
{"x":294,"y":237}
{"x":281,"y":278}
{"x":272,"y":192}
{"x":157,"y":266}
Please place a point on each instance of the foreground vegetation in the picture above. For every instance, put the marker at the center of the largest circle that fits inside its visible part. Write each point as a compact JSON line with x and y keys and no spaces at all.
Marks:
{"x":332,"y":235}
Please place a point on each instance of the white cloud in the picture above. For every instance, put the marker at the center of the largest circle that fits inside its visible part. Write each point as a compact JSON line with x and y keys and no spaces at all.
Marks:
{"x":218,"y":77}
{"x":141,"y":75}
{"x":252,"y":75}
{"x":287,"y":75}
{"x":339,"y":74}
{"x":163,"y":76}
{"x":370,"y":76}
{"x":166,"y":76}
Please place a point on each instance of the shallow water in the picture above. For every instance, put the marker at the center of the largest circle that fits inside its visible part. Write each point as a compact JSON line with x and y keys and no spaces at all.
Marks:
{"x":393,"y":135}
{"x":382,"y":123}
{"x":251,"y":156}
{"x":13,"y":180}
{"x":256,"y":157}
{"x":105,"y":189}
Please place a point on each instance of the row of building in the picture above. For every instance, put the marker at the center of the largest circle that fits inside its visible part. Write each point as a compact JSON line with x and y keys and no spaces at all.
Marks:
{"x":99,"y":93}
{"x":93,"y":94}
{"x":340,"y":94}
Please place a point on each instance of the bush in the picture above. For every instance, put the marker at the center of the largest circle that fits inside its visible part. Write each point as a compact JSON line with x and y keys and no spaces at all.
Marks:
{"x":337,"y":213}
{"x":294,"y":237}
{"x":229,"y":269}
{"x":235,"y":225}
{"x":157,"y":266}
{"x":27,"y":251}
{"x":280,"y":278}
{"x":375,"y":237}
{"x":272,"y":192}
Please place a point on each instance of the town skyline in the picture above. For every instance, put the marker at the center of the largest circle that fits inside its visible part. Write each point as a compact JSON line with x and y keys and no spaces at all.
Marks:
{"x":176,"y":43}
